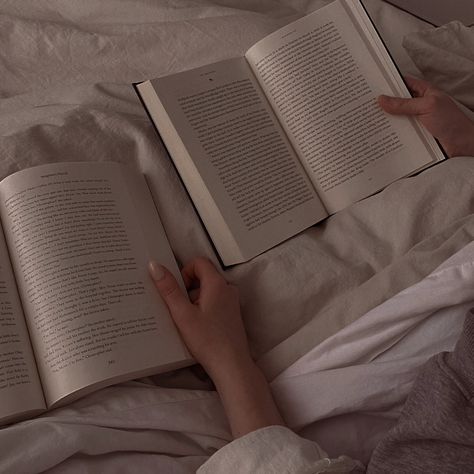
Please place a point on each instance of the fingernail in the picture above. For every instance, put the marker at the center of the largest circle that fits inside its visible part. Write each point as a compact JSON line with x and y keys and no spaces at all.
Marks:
{"x":156,"y":270}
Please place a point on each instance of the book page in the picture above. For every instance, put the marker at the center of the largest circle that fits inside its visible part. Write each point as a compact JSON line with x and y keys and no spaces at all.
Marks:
{"x":233,"y":156}
{"x":81,"y":236}
{"x":20,"y":388}
{"x":323,"y":77}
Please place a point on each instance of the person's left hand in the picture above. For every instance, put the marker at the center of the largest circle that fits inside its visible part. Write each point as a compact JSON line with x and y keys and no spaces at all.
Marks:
{"x":210,"y":324}
{"x":212,"y":328}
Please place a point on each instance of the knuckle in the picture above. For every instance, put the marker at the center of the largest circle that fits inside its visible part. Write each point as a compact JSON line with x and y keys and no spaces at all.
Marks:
{"x":395,"y":104}
{"x":169,"y":290}
{"x":219,"y":288}
{"x":219,"y":285}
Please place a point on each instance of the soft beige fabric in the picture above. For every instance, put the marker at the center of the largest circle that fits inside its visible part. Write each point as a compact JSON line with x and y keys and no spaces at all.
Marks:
{"x":364,"y":255}
{"x":137,"y":427}
{"x":66,"y":95}
{"x":66,"y":69}
{"x":445,"y":56}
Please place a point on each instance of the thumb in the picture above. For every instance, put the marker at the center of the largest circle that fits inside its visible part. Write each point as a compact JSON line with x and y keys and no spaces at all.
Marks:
{"x":168,"y":289}
{"x":399,"y":106}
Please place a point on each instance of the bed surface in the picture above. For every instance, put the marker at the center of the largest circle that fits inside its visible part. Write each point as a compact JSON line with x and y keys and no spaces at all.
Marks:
{"x":66,"y":95}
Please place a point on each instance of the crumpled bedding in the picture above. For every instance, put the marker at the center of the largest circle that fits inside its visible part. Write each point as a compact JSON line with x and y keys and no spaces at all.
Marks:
{"x":344,"y":395}
{"x":66,"y":70}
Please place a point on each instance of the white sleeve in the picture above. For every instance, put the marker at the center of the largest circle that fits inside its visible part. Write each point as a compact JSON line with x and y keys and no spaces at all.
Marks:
{"x":275,"y":449}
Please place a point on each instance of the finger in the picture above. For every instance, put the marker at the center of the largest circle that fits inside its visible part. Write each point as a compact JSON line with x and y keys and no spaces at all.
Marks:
{"x":203,"y":271}
{"x":418,"y":86}
{"x":399,"y":106}
{"x":168,"y":289}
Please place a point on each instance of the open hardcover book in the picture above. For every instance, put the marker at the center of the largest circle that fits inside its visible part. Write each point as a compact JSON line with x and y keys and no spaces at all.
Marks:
{"x":78,"y":310}
{"x":276,"y":141}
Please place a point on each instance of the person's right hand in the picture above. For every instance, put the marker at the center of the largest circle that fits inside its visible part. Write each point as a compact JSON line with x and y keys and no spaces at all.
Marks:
{"x":438,"y":113}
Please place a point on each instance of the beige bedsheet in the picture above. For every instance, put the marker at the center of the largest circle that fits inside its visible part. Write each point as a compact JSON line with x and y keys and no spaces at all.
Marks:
{"x":66,"y":95}
{"x":66,"y":69}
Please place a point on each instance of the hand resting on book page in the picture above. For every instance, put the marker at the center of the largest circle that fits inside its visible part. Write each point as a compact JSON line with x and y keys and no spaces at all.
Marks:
{"x":439,"y":115}
{"x":212,"y":328}
{"x":210,"y":323}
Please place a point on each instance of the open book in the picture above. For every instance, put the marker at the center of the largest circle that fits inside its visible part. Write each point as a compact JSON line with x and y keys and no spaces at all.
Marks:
{"x":78,"y":310}
{"x":272,"y":143}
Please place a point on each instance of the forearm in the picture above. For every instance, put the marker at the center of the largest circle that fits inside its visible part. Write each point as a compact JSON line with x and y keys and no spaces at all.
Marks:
{"x":262,"y":441}
{"x":246,"y":397}
{"x":212,"y":328}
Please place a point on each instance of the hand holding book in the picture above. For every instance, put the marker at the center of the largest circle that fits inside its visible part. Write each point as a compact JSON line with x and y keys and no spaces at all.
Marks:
{"x":276,"y":141}
{"x":438,"y":113}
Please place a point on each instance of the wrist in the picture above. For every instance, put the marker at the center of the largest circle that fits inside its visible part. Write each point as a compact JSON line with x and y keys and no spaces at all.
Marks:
{"x":231,"y":367}
{"x":247,"y":399}
{"x":462,"y":144}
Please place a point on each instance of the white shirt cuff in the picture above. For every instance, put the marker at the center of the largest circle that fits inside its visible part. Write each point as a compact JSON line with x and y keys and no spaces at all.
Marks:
{"x":275,"y":449}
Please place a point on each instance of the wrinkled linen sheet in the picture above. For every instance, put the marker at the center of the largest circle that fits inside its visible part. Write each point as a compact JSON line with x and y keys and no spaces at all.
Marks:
{"x":65,"y":92}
